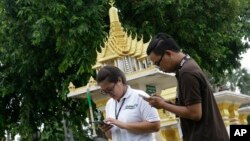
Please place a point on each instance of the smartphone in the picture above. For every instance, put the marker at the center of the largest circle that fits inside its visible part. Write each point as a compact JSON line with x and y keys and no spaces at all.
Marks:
{"x":144,"y":95}
{"x":101,"y":123}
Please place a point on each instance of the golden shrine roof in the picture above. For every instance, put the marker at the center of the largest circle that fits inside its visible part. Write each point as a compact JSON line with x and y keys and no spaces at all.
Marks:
{"x":119,"y":43}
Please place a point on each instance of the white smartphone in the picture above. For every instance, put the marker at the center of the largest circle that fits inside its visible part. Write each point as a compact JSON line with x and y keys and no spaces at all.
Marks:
{"x":143,"y":95}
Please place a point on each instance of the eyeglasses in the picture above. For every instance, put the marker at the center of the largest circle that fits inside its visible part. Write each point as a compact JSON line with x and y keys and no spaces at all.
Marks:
{"x":108,"y":91}
{"x":157,"y":63}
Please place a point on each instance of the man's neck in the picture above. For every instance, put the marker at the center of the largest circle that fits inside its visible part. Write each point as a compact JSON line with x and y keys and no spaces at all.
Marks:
{"x":179,"y":58}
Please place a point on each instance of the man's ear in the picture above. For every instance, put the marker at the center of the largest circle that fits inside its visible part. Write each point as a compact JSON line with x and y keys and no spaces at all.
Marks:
{"x":168,"y":52}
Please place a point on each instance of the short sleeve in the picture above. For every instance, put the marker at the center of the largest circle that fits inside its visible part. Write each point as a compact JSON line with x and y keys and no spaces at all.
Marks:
{"x":190,"y":88}
{"x":148,"y":112}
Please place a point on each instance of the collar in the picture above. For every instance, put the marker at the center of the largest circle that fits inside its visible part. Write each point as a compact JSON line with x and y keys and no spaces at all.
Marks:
{"x":127,"y":94}
{"x":183,"y":61}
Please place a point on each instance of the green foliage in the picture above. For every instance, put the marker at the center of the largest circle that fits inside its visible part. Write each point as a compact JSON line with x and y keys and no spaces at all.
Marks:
{"x":240,"y":79}
{"x":244,"y":82}
{"x":45,"y":45}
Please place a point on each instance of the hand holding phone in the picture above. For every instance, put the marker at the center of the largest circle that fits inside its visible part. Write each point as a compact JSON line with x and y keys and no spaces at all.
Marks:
{"x":101,"y":123}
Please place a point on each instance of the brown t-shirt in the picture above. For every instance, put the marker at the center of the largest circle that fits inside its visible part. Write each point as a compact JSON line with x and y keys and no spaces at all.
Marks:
{"x":193,"y":88}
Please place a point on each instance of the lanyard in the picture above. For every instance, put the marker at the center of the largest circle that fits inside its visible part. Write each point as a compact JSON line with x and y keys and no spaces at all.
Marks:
{"x":185,"y":58}
{"x":117,"y":114}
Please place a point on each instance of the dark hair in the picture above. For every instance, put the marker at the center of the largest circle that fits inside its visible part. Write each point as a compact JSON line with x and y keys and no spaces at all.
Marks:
{"x":162,"y":42}
{"x":110,"y":74}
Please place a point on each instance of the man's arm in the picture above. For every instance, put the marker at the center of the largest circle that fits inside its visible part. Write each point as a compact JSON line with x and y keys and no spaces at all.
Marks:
{"x":193,"y":112}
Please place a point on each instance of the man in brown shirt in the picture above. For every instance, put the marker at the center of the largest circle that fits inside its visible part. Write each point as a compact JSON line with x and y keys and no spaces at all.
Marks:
{"x":195,"y":104}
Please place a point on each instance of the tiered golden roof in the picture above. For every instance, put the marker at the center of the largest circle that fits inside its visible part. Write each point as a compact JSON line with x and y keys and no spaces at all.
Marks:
{"x":119,"y":44}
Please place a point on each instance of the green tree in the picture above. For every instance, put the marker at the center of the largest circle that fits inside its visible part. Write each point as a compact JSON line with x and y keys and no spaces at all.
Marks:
{"x":240,"y":79}
{"x":244,"y":82}
{"x":43,"y":46}
{"x":210,"y":31}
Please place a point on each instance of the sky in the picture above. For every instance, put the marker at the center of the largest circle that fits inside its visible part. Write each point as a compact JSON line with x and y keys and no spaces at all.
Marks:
{"x":245,"y":62}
